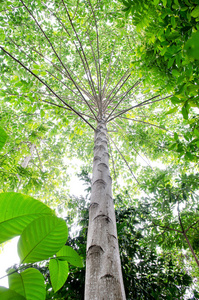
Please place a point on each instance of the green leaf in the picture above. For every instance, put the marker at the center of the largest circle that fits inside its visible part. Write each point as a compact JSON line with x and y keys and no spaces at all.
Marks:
{"x":164,"y":2}
{"x":171,"y":111}
{"x":42,"y":113}
{"x":42,"y":238}
{"x":18,"y":84}
{"x":17,"y":211}
{"x":125,"y":3}
{"x":35,"y":71}
{"x":170,"y":62}
{"x":58,"y":273}
{"x":36,"y":66}
{"x":192,"y":46}
{"x":178,"y":60}
{"x":3,"y":137}
{"x":175,"y":136}
{"x":8,"y":294}
{"x":2,"y":35}
{"x":189,"y":155}
{"x":185,"y":112}
{"x":67,"y":253}
{"x":194,"y":141}
{"x":175,"y":100}
{"x":171,"y":147}
{"x":175,"y":73}
{"x":195,"y":12}
{"x":173,"y":22}
{"x":29,"y":284}
{"x":196,"y":132}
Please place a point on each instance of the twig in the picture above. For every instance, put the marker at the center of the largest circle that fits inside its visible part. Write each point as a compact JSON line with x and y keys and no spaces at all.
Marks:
{"x":124,"y":160}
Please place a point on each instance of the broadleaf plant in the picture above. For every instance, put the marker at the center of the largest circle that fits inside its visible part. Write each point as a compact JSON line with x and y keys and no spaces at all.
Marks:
{"x":3,"y":137}
{"x":80,"y":65}
{"x":29,"y":284}
{"x":42,"y":235}
{"x":8,"y":294}
{"x":42,"y":238}
{"x":58,"y":273}
{"x":17,"y":211}
{"x":69,"y":254}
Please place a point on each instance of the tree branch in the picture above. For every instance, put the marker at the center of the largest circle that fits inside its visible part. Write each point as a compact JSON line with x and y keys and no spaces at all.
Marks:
{"x":166,"y":227}
{"x":191,"y":226}
{"x":56,"y":52}
{"x":124,"y":160}
{"x":137,"y":83}
{"x":45,"y":84}
{"x":146,"y":102}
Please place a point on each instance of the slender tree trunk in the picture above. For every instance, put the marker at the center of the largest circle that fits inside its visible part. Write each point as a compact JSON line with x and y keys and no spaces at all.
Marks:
{"x":28,"y":158}
{"x":103,"y":267}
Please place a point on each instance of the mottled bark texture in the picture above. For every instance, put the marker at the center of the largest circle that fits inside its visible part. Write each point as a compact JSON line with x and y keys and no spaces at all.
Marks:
{"x":103,"y":268}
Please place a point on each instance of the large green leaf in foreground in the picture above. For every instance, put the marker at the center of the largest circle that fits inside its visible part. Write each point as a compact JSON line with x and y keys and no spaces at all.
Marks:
{"x":58,"y":273}
{"x":29,"y":284}
{"x":42,"y":238}
{"x":69,"y":254}
{"x":8,"y":294}
{"x":17,"y":211}
{"x":3,"y":137}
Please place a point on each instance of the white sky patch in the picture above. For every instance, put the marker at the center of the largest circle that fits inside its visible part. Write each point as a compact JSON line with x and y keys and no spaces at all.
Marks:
{"x":76,"y":185}
{"x":8,"y":258}
{"x":196,"y":110}
{"x":146,"y":162}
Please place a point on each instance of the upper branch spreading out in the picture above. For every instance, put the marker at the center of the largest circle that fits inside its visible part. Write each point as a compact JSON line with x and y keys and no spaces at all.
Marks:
{"x":86,"y":63}
{"x":71,"y":108}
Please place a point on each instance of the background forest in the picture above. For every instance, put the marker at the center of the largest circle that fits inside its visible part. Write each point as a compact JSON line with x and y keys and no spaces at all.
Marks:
{"x":148,"y":55}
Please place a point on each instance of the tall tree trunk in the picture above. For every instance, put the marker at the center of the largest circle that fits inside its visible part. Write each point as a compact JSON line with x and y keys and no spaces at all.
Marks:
{"x":103,"y":266}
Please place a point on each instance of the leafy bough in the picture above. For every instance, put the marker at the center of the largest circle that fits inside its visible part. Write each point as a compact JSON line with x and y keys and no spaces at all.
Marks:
{"x":42,"y":237}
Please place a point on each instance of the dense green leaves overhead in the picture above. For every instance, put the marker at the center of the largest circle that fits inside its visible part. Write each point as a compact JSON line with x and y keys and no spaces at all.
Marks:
{"x":168,"y":47}
{"x":3,"y":137}
{"x":62,"y":40}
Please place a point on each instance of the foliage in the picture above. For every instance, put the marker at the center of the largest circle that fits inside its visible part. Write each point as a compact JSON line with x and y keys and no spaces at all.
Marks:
{"x":165,"y":41}
{"x":3,"y":137}
{"x":171,"y":205}
{"x":37,"y":226}
{"x":25,"y":131}
{"x":42,"y":235}
{"x":45,"y":83}
{"x":167,"y":49}
{"x":29,"y":284}
{"x":146,"y":273}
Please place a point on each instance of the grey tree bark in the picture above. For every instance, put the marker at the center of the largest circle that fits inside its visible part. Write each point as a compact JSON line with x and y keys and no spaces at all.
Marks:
{"x":28,"y":158}
{"x":103,"y":267}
